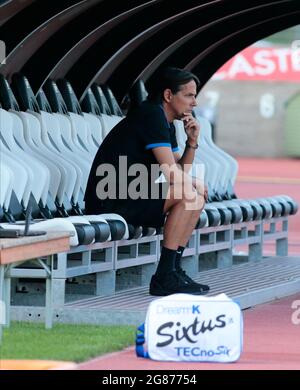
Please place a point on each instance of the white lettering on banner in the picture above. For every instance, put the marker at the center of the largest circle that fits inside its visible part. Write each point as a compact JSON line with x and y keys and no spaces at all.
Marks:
{"x":282,"y":63}
{"x":296,"y":59}
{"x":267,"y":66}
{"x":240,"y":65}
{"x":296,"y":54}
{"x":282,"y":54}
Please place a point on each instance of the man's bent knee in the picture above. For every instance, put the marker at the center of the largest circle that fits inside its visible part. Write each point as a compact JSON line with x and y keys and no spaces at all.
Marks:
{"x":189,"y":199}
{"x":196,"y":203}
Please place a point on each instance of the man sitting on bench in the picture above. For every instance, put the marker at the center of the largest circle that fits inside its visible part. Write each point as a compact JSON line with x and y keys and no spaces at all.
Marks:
{"x":146,"y":141}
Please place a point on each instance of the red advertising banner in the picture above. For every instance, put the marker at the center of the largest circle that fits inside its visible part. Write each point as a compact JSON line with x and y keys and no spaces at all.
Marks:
{"x":253,"y":63}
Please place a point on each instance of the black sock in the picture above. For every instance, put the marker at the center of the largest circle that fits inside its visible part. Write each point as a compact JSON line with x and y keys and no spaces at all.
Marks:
{"x":179,"y":253}
{"x":166,"y":262}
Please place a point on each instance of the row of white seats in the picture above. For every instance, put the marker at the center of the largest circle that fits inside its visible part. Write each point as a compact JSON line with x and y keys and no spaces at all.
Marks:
{"x":45,"y":153}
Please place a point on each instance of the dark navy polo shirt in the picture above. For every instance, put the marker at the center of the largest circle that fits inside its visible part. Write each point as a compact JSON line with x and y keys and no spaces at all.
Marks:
{"x":135,"y":137}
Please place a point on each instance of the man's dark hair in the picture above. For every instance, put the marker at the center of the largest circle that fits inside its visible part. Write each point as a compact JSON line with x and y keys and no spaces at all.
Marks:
{"x":169,"y":78}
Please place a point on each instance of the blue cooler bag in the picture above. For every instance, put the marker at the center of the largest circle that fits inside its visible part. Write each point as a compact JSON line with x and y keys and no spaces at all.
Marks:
{"x":184,"y":327}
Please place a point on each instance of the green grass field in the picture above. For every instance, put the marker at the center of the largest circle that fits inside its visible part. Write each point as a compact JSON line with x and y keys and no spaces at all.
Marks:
{"x":75,"y":343}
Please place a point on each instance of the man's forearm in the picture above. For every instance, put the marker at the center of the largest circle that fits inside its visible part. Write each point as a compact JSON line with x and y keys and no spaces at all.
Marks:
{"x":187,"y":159}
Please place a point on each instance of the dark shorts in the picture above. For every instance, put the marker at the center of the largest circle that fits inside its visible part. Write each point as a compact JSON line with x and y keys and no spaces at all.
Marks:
{"x":143,"y":212}
{"x":137,"y":212}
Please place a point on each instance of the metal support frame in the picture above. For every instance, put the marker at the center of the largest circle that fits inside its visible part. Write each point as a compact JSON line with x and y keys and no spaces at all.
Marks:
{"x":142,"y":252}
{"x":44,"y":270}
{"x":216,"y":240}
{"x":89,"y":261}
{"x":251,"y":234}
{"x":279,"y":234}
{"x":105,"y":259}
{"x":129,"y":253}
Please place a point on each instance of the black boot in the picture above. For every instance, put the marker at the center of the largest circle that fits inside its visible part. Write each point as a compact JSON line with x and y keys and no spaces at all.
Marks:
{"x":173,"y":283}
{"x":203,"y":288}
